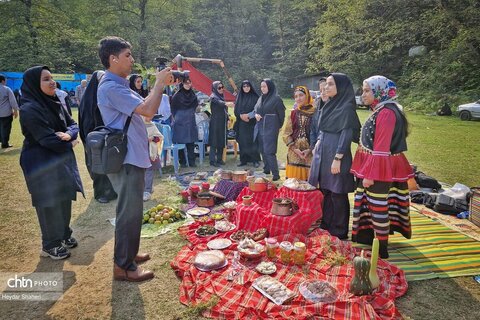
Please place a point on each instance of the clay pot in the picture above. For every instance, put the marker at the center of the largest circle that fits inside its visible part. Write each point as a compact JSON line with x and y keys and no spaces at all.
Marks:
{"x":239,"y":176}
{"x":247,"y":200}
{"x":226,"y":175}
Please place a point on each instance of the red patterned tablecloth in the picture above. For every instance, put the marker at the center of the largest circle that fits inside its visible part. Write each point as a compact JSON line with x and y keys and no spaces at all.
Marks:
{"x":258,"y":215}
{"x":242,"y":301}
{"x":188,"y":232}
{"x":263,"y":199}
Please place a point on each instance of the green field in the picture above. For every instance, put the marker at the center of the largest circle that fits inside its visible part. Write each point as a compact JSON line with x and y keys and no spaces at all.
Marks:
{"x":442,"y":147}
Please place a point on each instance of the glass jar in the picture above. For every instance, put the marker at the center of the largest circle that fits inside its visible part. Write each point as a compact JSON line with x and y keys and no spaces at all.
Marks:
{"x":285,"y":252}
{"x":299,"y":251}
{"x":272,"y":245}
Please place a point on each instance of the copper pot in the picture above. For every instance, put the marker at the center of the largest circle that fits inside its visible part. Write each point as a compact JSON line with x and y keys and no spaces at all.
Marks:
{"x":259,"y":185}
{"x":226,"y":175}
{"x":239,"y":176}
{"x":205,"y":200}
{"x":283,"y":207}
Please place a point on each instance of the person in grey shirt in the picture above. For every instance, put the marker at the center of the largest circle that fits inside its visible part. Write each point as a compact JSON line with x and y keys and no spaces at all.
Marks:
{"x":80,"y":90}
{"x":8,"y":111}
{"x":116,"y":102}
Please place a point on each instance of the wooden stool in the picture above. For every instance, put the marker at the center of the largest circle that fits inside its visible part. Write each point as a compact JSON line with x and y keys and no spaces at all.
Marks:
{"x":235,"y":150}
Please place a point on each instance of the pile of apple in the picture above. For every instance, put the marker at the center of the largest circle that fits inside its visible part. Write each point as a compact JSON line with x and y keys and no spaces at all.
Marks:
{"x":162,"y":214}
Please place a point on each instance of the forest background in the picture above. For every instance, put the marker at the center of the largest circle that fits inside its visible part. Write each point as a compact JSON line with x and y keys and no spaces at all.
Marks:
{"x":280,"y":39}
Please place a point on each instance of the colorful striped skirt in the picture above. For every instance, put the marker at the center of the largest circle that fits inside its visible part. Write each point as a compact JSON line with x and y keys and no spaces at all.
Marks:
{"x":381,"y":210}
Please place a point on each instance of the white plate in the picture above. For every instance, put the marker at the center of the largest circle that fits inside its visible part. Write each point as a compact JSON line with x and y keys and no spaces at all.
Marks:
{"x":232,"y":226}
{"x":274,"y":269}
{"x":198,"y":212}
{"x":208,"y":270}
{"x":205,"y":236}
{"x":219,"y":244}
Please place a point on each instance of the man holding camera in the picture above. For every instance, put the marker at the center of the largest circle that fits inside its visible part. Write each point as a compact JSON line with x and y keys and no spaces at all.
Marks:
{"x":117,"y":102}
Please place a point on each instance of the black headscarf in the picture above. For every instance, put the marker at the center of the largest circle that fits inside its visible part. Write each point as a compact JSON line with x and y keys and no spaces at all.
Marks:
{"x":184,"y":99}
{"x":269,"y":101}
{"x":141,"y":91}
{"x":340,"y":112}
{"x":245,"y":101}
{"x":215,"y":94}
{"x":32,"y":95}
{"x":89,"y":116}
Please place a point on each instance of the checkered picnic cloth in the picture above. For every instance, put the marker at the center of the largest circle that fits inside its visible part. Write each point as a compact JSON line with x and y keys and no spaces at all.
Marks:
{"x":242,"y":301}
{"x":258,"y":215}
{"x":263,"y":199}
{"x":229,"y":188}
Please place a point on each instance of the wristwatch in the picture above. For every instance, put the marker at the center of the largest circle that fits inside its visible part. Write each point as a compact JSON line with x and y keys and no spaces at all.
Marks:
{"x":337,"y":158}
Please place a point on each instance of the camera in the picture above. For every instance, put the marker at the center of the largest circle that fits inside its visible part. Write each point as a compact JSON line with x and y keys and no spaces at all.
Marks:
{"x":161,"y":63}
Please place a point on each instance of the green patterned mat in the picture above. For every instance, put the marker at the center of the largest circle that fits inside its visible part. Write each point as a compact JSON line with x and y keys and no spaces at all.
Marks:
{"x":435,"y":251}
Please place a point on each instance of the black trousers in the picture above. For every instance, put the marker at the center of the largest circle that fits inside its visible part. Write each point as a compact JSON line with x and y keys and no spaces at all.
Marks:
{"x":5,"y":129}
{"x":55,"y":223}
{"x":190,"y":154}
{"x":336,"y":213}
{"x":215,"y":152}
{"x":129,"y":184}
{"x":269,"y":159}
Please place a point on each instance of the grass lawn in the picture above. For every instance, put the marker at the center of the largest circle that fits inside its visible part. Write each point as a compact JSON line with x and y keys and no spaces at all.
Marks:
{"x":442,"y":147}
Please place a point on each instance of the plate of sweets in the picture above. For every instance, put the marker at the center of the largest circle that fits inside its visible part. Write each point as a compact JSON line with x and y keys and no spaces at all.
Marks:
{"x":266,"y":267}
{"x":219,"y":244}
{"x":224,"y":226}
{"x":317,"y":291}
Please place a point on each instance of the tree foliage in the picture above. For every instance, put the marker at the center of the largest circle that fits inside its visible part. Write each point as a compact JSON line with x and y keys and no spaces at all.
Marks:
{"x":280,"y":39}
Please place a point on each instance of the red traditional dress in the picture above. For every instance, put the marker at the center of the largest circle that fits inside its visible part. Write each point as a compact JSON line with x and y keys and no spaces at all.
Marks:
{"x":382,"y":208}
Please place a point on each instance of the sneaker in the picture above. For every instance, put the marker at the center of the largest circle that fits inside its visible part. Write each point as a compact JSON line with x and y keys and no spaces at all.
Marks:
{"x":57,"y":253}
{"x":70,"y":243}
{"x":147,"y":196}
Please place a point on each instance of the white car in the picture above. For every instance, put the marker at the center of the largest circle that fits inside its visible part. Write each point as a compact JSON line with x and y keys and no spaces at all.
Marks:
{"x":469,"y":111}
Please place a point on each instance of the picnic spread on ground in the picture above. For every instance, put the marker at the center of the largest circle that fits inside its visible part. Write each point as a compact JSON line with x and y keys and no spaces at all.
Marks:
{"x":255,"y":248}
{"x":256,"y":253}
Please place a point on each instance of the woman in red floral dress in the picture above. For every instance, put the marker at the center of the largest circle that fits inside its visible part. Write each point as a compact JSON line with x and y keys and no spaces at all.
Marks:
{"x":381,"y":199}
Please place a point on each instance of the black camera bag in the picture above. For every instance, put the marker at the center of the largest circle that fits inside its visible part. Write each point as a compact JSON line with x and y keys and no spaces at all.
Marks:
{"x":107,"y":148}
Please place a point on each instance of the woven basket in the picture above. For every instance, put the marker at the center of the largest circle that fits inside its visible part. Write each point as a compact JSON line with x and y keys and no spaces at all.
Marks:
{"x":475,"y":206}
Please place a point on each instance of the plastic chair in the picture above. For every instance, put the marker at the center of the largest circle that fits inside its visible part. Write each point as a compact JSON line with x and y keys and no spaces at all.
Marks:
{"x":169,"y":146}
{"x":204,"y":127}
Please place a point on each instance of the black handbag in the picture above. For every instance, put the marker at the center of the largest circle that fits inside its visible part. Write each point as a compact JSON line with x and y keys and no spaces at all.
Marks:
{"x":107,"y":148}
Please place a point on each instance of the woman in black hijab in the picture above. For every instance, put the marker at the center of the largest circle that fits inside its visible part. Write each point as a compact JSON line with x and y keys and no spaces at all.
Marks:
{"x":48,"y":161}
{"x":270,"y":114}
{"x":136,"y":84}
{"x":244,"y":126}
{"x":217,"y":137}
{"x":338,"y":126}
{"x":184,"y":127}
{"x":89,"y":118}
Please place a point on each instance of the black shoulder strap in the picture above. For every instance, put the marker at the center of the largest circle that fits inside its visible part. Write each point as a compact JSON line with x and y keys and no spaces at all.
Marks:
{"x":127,"y":123}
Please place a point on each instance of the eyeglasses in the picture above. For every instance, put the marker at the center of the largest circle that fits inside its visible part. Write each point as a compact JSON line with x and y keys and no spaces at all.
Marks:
{"x":220,"y":88}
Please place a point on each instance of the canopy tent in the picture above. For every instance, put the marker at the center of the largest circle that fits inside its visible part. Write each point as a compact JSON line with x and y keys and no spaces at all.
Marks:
{"x":201,"y":82}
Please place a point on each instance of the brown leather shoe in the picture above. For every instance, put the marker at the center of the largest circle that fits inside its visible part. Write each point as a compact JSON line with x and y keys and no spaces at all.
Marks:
{"x":133,"y":276}
{"x":142,"y":257}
